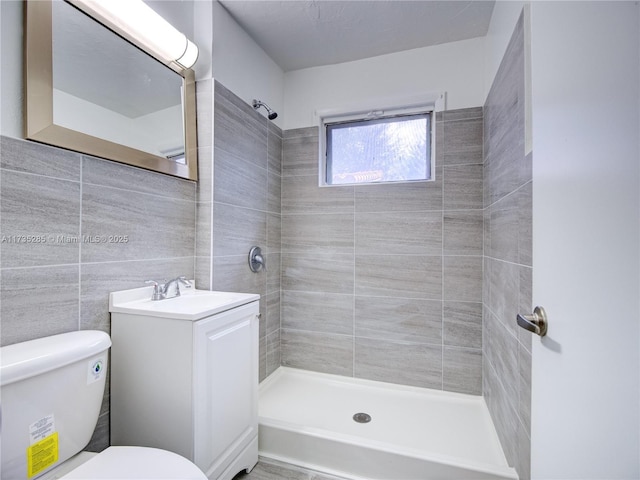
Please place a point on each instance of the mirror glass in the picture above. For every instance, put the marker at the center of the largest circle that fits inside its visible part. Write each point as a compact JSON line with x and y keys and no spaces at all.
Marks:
{"x":107,"y":97}
{"x":105,"y":87}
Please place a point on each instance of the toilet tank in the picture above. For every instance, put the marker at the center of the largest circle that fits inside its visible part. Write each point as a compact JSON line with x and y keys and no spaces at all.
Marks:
{"x":51,"y":391}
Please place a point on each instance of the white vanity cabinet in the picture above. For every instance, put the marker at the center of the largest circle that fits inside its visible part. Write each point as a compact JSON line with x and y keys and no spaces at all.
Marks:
{"x":188,"y":385}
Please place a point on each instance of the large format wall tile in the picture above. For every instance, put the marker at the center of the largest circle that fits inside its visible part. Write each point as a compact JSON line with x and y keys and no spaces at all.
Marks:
{"x":245,"y":188}
{"x":463,"y":140}
{"x":232,"y":274}
{"x":274,"y":271}
{"x":504,"y":228}
{"x":63,"y":284}
{"x":331,"y":273}
{"x":318,"y":312}
{"x":462,"y":114}
{"x":462,"y":324}
{"x":274,"y":192}
{"x":524,"y":388}
{"x":273,"y":307}
{"x":110,"y":174}
{"x":411,"y":276}
{"x":97,"y":280}
{"x":405,"y":233}
{"x":38,"y":301}
{"x":274,"y":233}
{"x":525,"y":304}
{"x":400,"y":319}
{"x":377,"y":261}
{"x":30,"y":157}
{"x":462,"y":187}
{"x":204,"y":187}
{"x":504,"y":124}
{"x":395,"y":197}
{"x":463,"y":278}
{"x":39,"y":220}
{"x":273,"y":356}
{"x":204,"y":219}
{"x":204,"y":106}
{"x":301,"y":154}
{"x":504,"y":300}
{"x":507,"y":422}
{"x":311,"y":234}
{"x":237,"y":229}
{"x":237,"y":181}
{"x":462,"y":232}
{"x":462,"y":370}
{"x":274,"y":148}
{"x":387,"y":361}
{"x":302,"y":195}
{"x":502,"y":351}
{"x":298,"y":132}
{"x":203,"y":272}
{"x":126,"y":225}
{"x":237,"y":130}
{"x":507,"y":261}
{"x":321,"y":352}
{"x":525,"y":223}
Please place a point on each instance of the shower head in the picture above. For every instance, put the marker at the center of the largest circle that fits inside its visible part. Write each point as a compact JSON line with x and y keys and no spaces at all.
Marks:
{"x":270,"y":113}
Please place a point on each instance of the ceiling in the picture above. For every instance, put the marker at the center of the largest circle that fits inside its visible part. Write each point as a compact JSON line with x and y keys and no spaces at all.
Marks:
{"x":307,"y":33}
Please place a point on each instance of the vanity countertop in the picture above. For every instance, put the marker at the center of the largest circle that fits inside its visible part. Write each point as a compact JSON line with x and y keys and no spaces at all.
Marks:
{"x":190,"y":305}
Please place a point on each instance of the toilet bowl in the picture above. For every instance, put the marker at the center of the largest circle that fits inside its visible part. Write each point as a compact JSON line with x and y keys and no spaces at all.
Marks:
{"x":120,"y":463}
{"x":51,"y":390}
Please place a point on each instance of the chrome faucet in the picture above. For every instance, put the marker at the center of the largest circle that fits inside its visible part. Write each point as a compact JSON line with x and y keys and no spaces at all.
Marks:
{"x":175,"y":285}
{"x":162,"y":292}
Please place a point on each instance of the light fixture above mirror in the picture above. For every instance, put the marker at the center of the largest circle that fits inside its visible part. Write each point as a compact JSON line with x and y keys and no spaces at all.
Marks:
{"x":109,"y":95}
{"x":142,"y":26}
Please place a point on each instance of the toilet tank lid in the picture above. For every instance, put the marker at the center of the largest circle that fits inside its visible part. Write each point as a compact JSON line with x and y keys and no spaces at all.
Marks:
{"x":34,"y":357}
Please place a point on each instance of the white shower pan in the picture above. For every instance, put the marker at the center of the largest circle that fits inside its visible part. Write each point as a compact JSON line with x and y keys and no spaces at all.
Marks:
{"x":307,"y":419}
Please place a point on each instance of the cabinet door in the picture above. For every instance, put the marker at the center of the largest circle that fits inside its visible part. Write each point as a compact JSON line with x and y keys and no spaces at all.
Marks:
{"x":225,"y":386}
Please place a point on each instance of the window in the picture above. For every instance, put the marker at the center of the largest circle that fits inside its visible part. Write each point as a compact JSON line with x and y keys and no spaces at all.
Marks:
{"x":381,"y":149}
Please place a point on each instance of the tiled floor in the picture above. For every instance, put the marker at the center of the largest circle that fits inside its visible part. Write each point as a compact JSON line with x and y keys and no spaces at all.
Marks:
{"x":282,"y":471}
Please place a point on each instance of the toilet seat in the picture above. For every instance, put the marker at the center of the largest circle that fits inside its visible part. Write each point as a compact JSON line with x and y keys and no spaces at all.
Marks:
{"x":136,"y":463}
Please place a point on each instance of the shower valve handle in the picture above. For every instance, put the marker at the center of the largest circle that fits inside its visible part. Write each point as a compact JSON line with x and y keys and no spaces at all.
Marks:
{"x":536,"y":323}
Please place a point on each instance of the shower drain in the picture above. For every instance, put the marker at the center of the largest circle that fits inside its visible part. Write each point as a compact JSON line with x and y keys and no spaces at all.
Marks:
{"x":362,"y":417}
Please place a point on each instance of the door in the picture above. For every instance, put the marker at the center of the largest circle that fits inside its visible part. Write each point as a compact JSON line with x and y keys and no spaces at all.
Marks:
{"x":586,"y":215}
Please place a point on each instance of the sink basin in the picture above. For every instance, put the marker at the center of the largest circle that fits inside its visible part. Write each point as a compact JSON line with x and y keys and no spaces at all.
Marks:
{"x":191,"y":305}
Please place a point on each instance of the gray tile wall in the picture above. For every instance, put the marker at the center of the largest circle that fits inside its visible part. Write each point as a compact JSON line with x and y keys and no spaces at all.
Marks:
{"x":238,"y":206}
{"x":388,"y":282}
{"x":507,"y":260}
{"x":63,"y":283}
{"x":385,"y":281}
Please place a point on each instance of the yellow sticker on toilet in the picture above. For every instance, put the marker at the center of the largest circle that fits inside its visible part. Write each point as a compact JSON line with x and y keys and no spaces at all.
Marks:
{"x":42,"y":454}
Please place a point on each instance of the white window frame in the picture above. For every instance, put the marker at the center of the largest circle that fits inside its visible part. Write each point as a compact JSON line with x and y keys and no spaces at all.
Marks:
{"x":336,"y":116}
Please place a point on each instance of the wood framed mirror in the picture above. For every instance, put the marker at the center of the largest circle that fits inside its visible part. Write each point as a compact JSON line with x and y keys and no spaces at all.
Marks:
{"x":89,"y":90}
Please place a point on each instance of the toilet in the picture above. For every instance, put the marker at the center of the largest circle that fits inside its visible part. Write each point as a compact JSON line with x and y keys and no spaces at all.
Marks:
{"x":51,"y":392}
